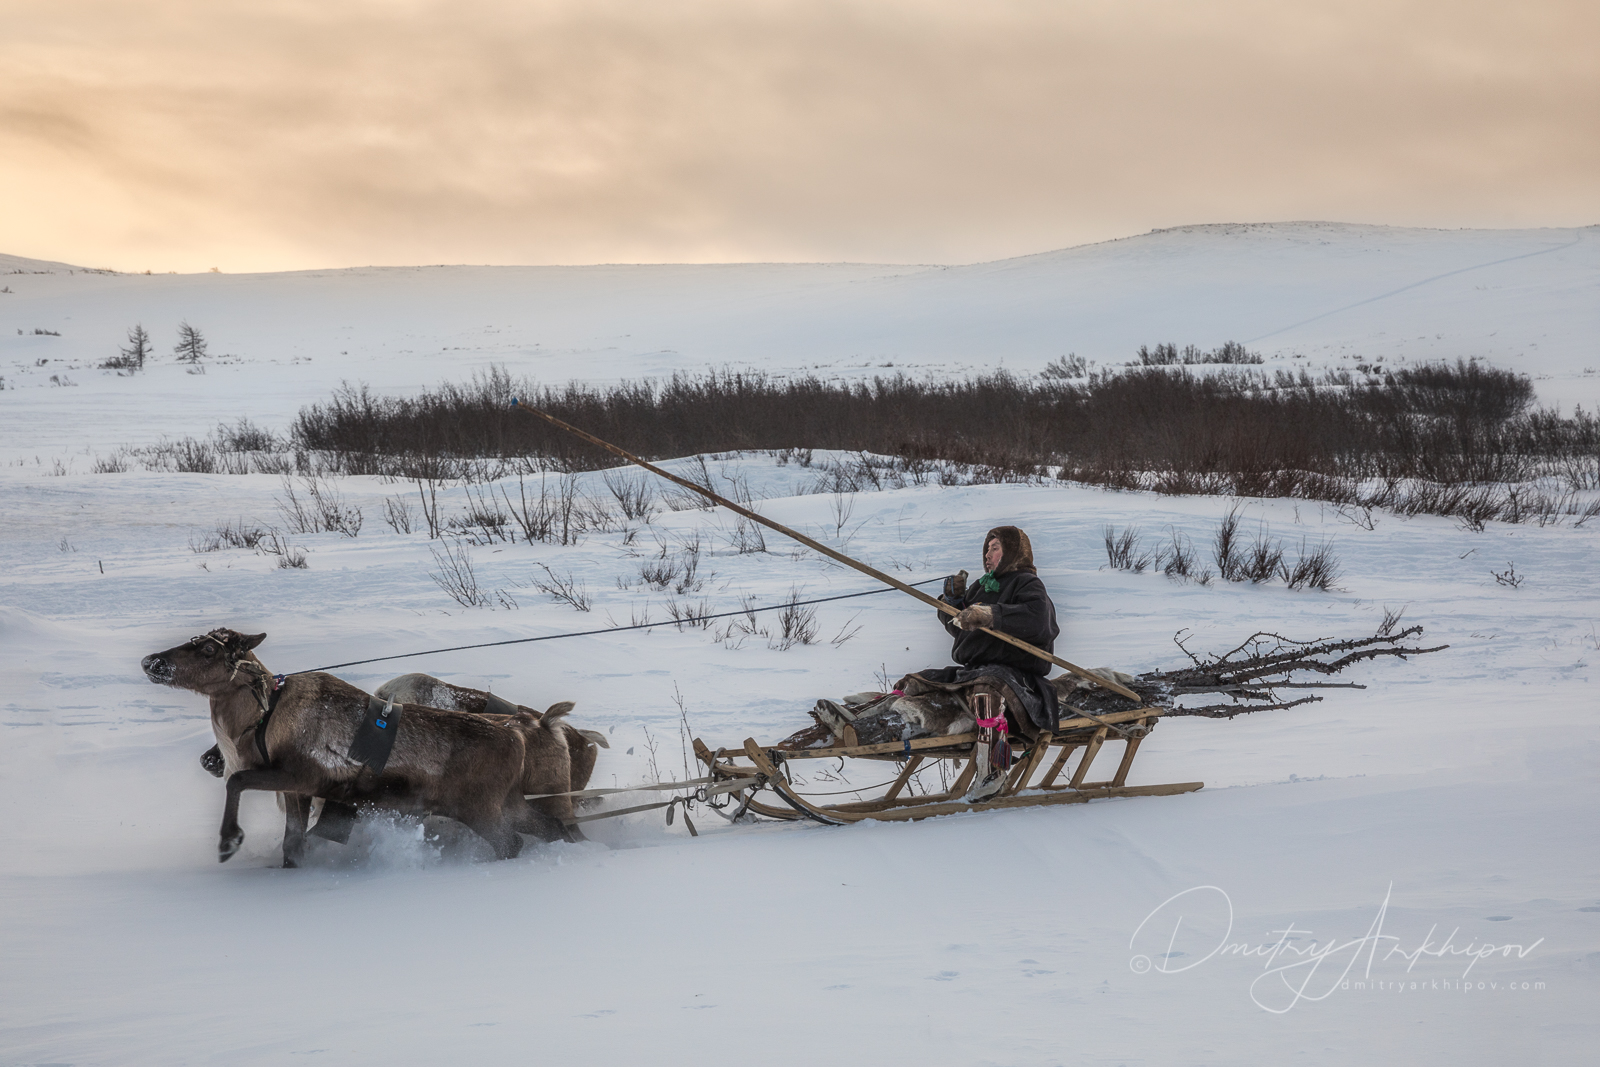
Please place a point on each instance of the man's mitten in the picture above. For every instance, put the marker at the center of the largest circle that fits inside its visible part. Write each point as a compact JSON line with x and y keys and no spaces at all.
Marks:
{"x":955,"y":587}
{"x":979,"y":616}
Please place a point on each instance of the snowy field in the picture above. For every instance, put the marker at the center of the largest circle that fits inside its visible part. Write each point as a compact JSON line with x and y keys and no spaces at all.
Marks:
{"x":1371,"y":850}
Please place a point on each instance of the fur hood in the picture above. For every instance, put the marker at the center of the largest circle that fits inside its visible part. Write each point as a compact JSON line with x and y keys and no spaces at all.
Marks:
{"x":1016,"y":551}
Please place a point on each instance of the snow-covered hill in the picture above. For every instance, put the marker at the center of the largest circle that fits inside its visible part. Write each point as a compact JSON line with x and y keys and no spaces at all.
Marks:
{"x":1310,"y":293}
{"x":1456,"y":788}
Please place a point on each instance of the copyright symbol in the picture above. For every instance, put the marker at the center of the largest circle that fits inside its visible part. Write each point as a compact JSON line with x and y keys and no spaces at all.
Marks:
{"x":1139,"y":964}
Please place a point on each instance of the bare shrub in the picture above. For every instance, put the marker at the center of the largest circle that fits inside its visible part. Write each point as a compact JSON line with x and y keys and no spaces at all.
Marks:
{"x":289,"y":555}
{"x":797,"y":624}
{"x":397,"y":513}
{"x":842,"y":505}
{"x":634,"y":496}
{"x":533,"y":513}
{"x":1124,"y":554}
{"x":679,"y":499}
{"x":428,"y":494}
{"x":684,"y":613}
{"x":1070,"y":365}
{"x":739,"y":627}
{"x":1262,"y":560}
{"x":230,"y":535}
{"x":186,"y":456}
{"x":1191,"y":355}
{"x":1391,"y":620}
{"x":246,"y":436}
{"x":482,"y":522}
{"x":455,"y":574}
{"x":1509,"y":576}
{"x":747,"y":537}
{"x":1181,"y":562}
{"x":689,"y":579}
{"x":676,"y":570}
{"x":562,"y":588}
{"x":597,"y":516}
{"x":1317,"y":569}
{"x":320,"y":510}
{"x":1225,"y":547}
{"x":566,"y":526}
{"x":660,"y":572}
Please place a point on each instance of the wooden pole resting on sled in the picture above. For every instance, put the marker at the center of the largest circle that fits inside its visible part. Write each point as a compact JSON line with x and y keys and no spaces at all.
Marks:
{"x":817,"y":546}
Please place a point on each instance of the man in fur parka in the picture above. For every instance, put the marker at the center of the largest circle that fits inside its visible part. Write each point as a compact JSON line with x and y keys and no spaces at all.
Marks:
{"x":1010,"y":598}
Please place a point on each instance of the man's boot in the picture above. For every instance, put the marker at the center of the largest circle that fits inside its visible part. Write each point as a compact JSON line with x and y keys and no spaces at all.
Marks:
{"x":993,"y":749}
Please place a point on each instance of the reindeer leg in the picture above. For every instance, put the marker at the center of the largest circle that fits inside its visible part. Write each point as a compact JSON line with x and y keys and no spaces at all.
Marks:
{"x":296,"y":815}
{"x":270,"y":779}
{"x":501,"y":837}
{"x":528,"y":818}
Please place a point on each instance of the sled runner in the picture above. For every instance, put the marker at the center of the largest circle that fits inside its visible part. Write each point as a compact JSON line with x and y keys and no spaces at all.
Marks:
{"x":1040,"y":774}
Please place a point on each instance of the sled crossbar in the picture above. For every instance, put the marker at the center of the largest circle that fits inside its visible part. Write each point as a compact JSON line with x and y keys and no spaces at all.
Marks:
{"x":1034,"y":779}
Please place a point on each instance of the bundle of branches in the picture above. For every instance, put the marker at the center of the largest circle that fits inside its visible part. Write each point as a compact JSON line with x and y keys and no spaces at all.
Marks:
{"x":1251,"y":674}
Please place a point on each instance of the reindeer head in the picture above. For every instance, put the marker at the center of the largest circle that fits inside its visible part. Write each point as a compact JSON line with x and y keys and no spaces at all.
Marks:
{"x":211,"y":663}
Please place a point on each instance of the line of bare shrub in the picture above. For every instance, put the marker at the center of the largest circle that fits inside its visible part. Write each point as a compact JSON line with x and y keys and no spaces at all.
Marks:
{"x":1453,"y":439}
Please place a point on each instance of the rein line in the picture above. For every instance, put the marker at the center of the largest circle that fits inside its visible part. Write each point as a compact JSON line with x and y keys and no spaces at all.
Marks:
{"x":605,"y":630}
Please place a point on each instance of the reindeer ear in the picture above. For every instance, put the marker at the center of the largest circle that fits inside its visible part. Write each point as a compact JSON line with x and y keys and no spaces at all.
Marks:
{"x":249,"y":641}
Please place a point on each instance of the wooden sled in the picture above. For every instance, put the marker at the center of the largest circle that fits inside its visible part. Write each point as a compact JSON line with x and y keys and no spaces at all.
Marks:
{"x":1083,"y":735}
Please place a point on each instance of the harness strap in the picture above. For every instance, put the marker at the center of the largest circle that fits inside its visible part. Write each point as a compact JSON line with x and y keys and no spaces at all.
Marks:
{"x":268,"y":706}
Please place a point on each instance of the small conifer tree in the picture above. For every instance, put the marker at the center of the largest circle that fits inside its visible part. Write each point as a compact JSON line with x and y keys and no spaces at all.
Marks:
{"x":131,"y":356}
{"x":191,"y":346}
{"x":138,"y":347}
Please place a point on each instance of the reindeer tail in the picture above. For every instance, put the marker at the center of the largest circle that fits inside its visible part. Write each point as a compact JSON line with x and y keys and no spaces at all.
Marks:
{"x":555,"y":713}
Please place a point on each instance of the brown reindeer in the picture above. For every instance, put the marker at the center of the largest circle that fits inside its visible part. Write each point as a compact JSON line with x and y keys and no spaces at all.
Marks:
{"x":294,"y":740}
{"x":559,"y":757}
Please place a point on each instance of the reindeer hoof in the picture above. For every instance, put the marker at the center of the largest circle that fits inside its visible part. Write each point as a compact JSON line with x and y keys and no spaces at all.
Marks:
{"x":228,"y":846}
{"x":211,"y":759}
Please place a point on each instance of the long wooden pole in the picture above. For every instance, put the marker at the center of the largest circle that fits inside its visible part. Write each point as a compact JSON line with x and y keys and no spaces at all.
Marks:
{"x":817,"y":546}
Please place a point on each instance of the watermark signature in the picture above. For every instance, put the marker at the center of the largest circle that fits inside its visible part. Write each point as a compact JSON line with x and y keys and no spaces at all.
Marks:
{"x":1296,"y":965}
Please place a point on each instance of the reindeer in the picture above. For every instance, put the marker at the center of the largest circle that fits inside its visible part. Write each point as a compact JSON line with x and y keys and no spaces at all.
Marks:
{"x":293,"y":739}
{"x":560,"y":757}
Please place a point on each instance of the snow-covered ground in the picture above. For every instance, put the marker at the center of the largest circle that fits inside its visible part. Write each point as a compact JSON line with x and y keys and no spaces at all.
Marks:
{"x":1446,"y":808}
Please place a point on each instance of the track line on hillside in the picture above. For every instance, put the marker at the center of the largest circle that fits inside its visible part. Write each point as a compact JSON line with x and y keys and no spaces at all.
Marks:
{"x":1414,"y":285}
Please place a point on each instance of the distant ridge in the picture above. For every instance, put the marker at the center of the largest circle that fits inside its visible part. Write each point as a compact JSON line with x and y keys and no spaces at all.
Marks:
{"x":1307,"y":227}
{"x":16,"y":264}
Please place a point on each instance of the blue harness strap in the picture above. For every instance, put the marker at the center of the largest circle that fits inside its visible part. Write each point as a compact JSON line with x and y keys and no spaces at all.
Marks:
{"x":374,"y":738}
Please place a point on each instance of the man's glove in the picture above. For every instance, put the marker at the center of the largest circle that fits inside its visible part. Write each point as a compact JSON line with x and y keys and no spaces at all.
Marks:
{"x":955,"y":587}
{"x":976,"y":617}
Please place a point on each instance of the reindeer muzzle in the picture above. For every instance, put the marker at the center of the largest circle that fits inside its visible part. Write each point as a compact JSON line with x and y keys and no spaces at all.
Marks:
{"x":158,"y":670}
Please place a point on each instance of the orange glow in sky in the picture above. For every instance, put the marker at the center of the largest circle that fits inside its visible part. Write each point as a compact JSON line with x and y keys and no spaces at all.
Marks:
{"x":188,"y":134}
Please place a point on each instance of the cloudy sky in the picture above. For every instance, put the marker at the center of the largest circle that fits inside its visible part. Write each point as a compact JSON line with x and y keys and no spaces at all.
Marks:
{"x":188,"y":134}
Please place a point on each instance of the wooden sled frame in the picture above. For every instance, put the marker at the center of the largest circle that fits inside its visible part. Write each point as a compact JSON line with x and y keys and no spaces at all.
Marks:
{"x":1020,"y":790}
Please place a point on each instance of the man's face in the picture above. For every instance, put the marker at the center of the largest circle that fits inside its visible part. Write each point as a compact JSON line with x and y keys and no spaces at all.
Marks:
{"x":991,"y":554}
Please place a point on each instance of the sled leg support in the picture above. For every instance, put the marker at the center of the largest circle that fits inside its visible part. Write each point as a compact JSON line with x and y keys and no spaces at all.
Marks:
{"x":835,"y":816}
